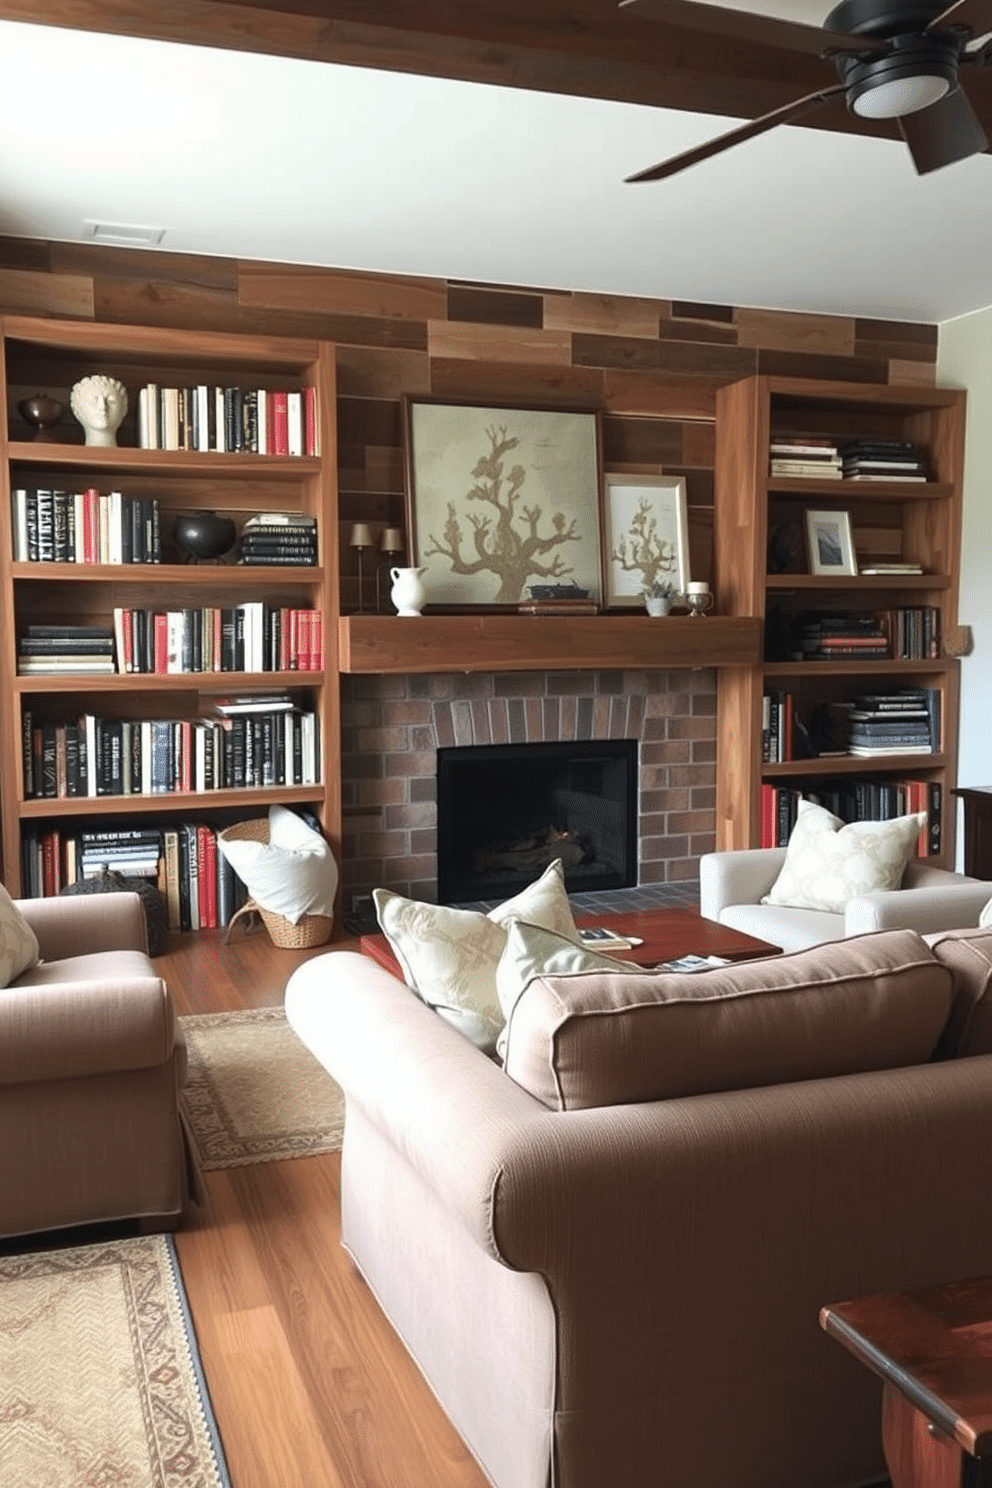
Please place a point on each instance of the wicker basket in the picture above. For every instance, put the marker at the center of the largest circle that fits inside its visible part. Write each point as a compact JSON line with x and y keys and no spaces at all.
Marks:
{"x":309,"y":930}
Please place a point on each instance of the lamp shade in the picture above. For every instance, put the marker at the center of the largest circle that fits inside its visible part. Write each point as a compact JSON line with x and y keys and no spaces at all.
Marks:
{"x":391,"y":540}
{"x":361,"y":536}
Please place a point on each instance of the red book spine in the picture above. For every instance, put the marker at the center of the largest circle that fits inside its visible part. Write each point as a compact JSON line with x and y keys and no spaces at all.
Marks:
{"x":769,"y":814}
{"x":316,"y":640}
{"x":161,"y":644}
{"x":127,"y":625}
{"x":303,"y":640}
{"x":280,"y":423}
{"x":207,"y":878}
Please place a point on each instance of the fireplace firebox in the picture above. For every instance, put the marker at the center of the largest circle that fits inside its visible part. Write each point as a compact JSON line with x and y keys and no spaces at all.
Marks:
{"x":505,"y":811}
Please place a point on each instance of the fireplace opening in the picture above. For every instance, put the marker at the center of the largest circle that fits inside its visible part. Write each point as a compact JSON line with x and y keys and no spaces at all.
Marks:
{"x":505,"y":811}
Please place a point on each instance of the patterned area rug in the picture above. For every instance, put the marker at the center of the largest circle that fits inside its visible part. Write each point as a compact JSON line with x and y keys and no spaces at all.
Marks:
{"x":100,"y":1382}
{"x":255,"y":1093}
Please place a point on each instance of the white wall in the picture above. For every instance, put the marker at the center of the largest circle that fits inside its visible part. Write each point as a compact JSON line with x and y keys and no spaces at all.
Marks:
{"x":965,"y":360}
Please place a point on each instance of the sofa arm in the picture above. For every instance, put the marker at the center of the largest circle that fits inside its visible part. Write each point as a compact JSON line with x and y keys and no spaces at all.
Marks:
{"x":736,"y":878}
{"x":69,"y":1030}
{"x":926,"y":910}
{"x":449,"y":1109}
{"x":81,"y":924}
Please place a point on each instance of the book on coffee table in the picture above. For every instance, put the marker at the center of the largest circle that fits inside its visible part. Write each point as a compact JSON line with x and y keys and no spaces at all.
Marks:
{"x":602,"y":939}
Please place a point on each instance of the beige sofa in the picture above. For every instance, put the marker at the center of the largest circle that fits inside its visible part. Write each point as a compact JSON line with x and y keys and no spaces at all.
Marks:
{"x":610,"y":1266}
{"x":92,"y":1063}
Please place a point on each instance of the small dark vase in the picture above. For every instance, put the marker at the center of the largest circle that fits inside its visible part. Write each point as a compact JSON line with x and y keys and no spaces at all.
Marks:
{"x":42,"y":413}
{"x":203,"y":535}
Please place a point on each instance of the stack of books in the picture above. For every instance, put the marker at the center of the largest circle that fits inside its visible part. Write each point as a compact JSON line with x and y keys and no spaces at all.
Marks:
{"x":134,"y":851}
{"x":278,"y":538}
{"x":64,"y":650}
{"x":841,"y":637}
{"x":807,"y":456}
{"x":881,"y":460}
{"x":903,"y":722}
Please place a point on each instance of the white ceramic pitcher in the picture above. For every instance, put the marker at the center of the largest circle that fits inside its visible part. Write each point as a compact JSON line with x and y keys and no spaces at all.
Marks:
{"x":408,"y":593}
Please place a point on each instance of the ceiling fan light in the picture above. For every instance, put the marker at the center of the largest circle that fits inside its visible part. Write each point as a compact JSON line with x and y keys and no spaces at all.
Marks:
{"x":900,"y":95}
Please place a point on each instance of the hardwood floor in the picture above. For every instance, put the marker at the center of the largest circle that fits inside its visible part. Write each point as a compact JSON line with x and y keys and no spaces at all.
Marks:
{"x":310,"y":1386}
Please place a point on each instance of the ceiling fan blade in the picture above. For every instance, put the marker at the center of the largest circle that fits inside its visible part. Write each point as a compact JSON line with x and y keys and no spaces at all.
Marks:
{"x":737,"y":136}
{"x":972,"y":15}
{"x":946,"y":131}
{"x":743,"y":25}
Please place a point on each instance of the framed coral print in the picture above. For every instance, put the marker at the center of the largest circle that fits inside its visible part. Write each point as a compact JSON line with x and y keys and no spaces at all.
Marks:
{"x":500,"y":499}
{"x":831,"y":547}
{"x":645,"y":536}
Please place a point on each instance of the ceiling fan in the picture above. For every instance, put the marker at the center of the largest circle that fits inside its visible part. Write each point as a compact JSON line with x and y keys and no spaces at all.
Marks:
{"x":896,"y":59}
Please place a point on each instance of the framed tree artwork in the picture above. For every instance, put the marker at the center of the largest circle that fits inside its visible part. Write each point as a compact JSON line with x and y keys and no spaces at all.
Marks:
{"x":500,"y":499}
{"x":645,"y":536}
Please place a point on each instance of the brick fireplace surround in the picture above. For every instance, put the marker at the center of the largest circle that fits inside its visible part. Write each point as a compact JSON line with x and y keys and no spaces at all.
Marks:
{"x":392,"y":727}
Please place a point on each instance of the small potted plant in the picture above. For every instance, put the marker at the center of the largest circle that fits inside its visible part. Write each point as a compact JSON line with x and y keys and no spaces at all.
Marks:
{"x":658,"y":597}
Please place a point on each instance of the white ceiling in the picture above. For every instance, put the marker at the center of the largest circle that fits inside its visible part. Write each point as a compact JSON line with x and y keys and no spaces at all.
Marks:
{"x":271,"y":158}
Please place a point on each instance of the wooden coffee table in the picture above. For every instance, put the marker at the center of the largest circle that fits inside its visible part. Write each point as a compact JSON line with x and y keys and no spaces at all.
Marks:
{"x":666,"y":933}
{"x":933,"y":1350}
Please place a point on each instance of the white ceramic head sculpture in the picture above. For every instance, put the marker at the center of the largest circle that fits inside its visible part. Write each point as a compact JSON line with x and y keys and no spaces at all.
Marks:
{"x":99,"y":404}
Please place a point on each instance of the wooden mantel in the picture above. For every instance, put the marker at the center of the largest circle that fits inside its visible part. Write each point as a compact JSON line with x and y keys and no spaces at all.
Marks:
{"x":383,"y":644}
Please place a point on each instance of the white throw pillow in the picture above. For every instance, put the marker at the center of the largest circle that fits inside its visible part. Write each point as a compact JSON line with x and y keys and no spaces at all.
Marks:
{"x":532,"y":951}
{"x":828,"y":863}
{"x":292,"y":874}
{"x":985,"y":918}
{"x":449,"y":956}
{"x":18,"y":942}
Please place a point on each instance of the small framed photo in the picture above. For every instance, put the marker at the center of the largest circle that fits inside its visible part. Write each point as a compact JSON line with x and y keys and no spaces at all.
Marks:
{"x":645,"y":536}
{"x":831,"y":547}
{"x":502,"y":498}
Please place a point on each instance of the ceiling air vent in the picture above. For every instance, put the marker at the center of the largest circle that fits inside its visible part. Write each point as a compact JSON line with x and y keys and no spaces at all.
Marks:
{"x":123,"y":232}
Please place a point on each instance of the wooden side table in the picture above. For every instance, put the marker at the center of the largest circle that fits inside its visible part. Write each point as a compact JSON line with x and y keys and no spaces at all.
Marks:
{"x":977,"y":829}
{"x":933,"y":1350}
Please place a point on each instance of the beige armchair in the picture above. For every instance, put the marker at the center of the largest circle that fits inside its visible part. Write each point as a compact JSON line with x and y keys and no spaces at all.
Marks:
{"x":732,"y":884}
{"x":91,"y":1068}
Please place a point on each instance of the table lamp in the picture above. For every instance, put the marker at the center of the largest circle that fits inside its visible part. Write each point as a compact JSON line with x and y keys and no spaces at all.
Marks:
{"x":390,"y":543}
{"x":360,"y":539}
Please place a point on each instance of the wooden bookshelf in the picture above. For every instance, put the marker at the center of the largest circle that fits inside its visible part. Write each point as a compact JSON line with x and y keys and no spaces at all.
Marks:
{"x":49,"y":356}
{"x":919,"y":522}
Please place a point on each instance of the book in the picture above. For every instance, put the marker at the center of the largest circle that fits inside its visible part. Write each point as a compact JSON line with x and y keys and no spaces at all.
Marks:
{"x":602,"y":938}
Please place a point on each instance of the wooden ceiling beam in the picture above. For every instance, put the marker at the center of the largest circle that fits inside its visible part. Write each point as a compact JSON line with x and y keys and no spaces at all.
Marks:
{"x":583,"y":48}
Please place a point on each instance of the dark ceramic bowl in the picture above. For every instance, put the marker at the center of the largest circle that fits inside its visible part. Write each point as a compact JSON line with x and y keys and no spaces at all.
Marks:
{"x":204,"y":534}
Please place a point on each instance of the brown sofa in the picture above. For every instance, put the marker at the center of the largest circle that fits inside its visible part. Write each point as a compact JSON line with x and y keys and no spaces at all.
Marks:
{"x":91,"y":1068}
{"x":613,"y":1281}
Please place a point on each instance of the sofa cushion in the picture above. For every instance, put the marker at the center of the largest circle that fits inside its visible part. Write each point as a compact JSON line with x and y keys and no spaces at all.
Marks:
{"x":449,"y":956}
{"x":594,"y":1039}
{"x":18,"y":942}
{"x":827,"y":863}
{"x":532,"y":951}
{"x":968,"y":956}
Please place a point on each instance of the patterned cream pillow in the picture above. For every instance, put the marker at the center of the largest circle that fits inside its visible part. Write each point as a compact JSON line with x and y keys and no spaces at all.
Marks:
{"x":18,"y":942}
{"x":828,"y":863}
{"x":534,"y":951}
{"x":449,"y":956}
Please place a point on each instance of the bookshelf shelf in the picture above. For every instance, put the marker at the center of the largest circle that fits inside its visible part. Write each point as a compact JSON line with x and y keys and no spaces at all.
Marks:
{"x":208,"y":802}
{"x":50,"y":355}
{"x":191,"y":575}
{"x":131,"y":684}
